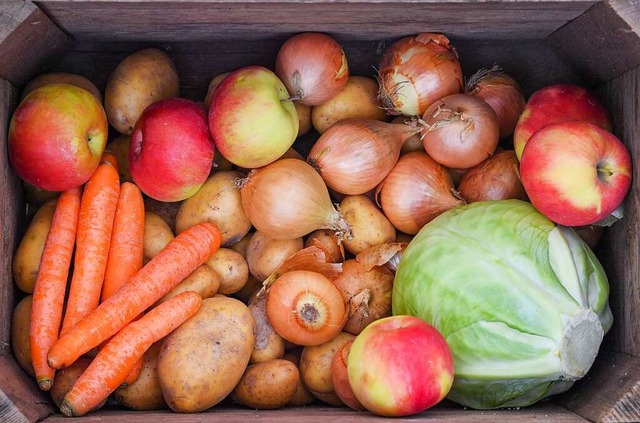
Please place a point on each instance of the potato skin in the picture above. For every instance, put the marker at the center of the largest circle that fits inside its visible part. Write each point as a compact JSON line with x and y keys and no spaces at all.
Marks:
{"x":268,"y":385}
{"x":315,"y":368}
{"x":204,"y":280}
{"x":120,"y":148}
{"x":358,"y":98}
{"x":20,"y":322}
{"x":302,"y":396}
{"x":66,"y":377}
{"x":269,"y":345}
{"x":231,"y":268}
{"x":145,"y":393}
{"x":203,"y":360}
{"x":140,"y":79}
{"x":370,"y":226}
{"x":218,"y":201}
{"x":265,"y":254}
{"x":157,"y":234}
{"x":26,"y":261}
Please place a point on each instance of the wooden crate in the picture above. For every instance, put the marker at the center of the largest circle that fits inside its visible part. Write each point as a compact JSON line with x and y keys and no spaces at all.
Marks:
{"x":595,"y":44}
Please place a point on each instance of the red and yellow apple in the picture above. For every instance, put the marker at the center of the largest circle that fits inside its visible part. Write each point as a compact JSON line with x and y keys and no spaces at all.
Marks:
{"x":171,"y":152}
{"x":56,"y":137}
{"x":575,"y":173}
{"x":340,"y":377}
{"x":399,"y":366}
{"x":251,"y":118}
{"x":558,"y":103}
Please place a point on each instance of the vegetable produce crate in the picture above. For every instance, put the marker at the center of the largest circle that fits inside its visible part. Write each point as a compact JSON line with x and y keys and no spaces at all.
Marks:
{"x":595,"y":44}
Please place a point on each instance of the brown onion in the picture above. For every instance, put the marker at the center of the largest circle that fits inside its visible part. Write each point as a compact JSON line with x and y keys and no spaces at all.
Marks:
{"x":460,"y":131}
{"x":367,"y":292}
{"x":502,"y":93}
{"x":313,"y":67}
{"x":494,"y":179}
{"x":414,"y":143}
{"x":387,"y":254}
{"x":416,"y":191}
{"x":328,"y":242}
{"x":288,"y":199}
{"x":354,"y":155}
{"x":416,"y":71}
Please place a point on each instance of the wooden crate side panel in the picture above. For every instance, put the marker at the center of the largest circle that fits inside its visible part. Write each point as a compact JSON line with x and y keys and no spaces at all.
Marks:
{"x":620,"y":248}
{"x":602,"y":43}
{"x":610,"y":392}
{"x":29,"y":41}
{"x":20,"y":399}
{"x":11,"y":217}
{"x":215,"y":21}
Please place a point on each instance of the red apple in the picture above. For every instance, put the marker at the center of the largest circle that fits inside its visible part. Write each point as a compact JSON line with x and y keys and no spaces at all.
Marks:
{"x":171,"y":151}
{"x":251,"y":118}
{"x":57,"y":136}
{"x":399,"y":366}
{"x":558,"y":103}
{"x":340,"y":377}
{"x":575,"y":173}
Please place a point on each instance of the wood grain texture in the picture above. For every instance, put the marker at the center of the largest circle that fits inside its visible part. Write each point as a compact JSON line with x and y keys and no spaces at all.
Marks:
{"x":599,"y":43}
{"x":198,"y":21}
{"x":610,"y":392}
{"x":543,"y":412}
{"x":620,"y":248}
{"x":20,"y":399}
{"x":11,"y":217}
{"x":29,"y":41}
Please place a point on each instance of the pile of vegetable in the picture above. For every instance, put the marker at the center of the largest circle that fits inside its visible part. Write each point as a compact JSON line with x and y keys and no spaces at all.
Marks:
{"x":435,"y":242}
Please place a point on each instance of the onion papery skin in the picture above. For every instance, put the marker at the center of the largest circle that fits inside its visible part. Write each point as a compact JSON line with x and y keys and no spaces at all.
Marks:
{"x":288,"y":199}
{"x":355,"y":155}
{"x":416,"y":71}
{"x":461,"y":131}
{"x":313,"y":67}
{"x":417,"y":190}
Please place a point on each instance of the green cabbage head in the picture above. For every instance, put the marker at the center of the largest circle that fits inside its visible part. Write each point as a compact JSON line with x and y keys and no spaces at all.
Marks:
{"x":522,"y":302}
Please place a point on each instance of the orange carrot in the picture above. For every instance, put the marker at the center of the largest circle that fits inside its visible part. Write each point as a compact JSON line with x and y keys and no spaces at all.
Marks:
{"x":95,"y":223}
{"x":134,"y":372}
{"x":51,"y":284}
{"x":175,"y":262}
{"x":112,"y":364}
{"x":109,"y":157}
{"x":125,"y":252}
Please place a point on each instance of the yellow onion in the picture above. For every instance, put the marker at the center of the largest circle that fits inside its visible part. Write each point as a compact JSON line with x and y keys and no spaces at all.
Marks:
{"x":416,"y":71}
{"x":354,"y":155}
{"x":502,"y":93}
{"x":288,"y":199}
{"x":416,"y":191}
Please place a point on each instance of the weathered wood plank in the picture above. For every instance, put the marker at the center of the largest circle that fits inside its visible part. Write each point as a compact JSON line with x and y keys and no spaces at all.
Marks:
{"x":543,"y":412}
{"x":29,"y":41}
{"x":610,"y":392}
{"x":620,"y":248}
{"x":199,"y":21}
{"x":11,"y":217}
{"x":601,"y":44}
{"x":20,"y":399}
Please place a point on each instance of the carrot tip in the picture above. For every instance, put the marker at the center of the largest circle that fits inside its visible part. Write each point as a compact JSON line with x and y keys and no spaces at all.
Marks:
{"x":45,"y":384}
{"x":66,"y":409}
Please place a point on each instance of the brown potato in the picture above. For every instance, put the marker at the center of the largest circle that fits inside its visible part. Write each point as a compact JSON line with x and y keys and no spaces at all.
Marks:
{"x":248,"y":290}
{"x":358,"y":99}
{"x":204,"y":359}
{"x":302,"y":396}
{"x":145,"y":393}
{"x":157,"y":235}
{"x":304,"y":117}
{"x":62,"y":78}
{"x":212,"y":86}
{"x":370,"y":226}
{"x":218,"y":201}
{"x":20,"y":322}
{"x":204,"y":280}
{"x":242,"y":245}
{"x":265,"y":254}
{"x":140,"y":79}
{"x":166,"y":210}
{"x":231,"y":268}
{"x":269,"y":345}
{"x":315,"y":368}
{"x":327,"y":241}
{"x":66,"y":377}
{"x":267,"y":385}
{"x":26,"y":261}
{"x":120,"y":148}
